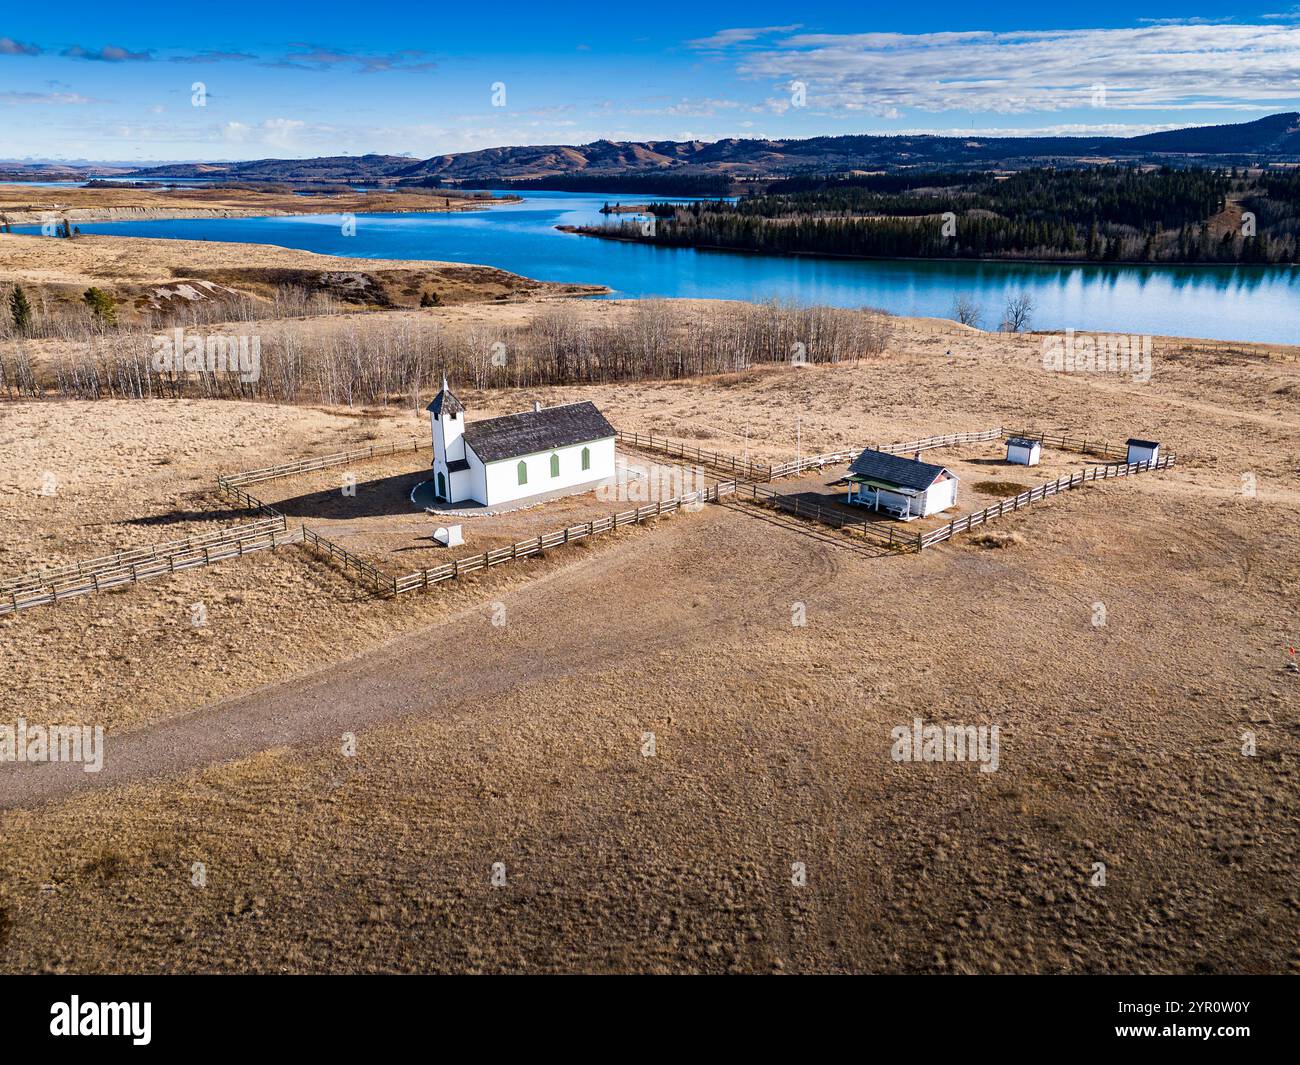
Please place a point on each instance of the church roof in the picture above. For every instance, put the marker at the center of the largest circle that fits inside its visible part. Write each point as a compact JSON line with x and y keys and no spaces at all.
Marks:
{"x":529,"y":432}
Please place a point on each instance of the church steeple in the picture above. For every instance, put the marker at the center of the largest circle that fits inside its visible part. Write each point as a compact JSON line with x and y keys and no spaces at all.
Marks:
{"x":445,"y":402}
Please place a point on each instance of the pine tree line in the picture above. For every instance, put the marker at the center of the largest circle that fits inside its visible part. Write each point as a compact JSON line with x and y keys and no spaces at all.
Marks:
{"x":1103,"y":214}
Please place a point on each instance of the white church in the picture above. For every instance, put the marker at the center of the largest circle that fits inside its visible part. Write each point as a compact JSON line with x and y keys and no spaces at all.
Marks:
{"x":545,"y":450}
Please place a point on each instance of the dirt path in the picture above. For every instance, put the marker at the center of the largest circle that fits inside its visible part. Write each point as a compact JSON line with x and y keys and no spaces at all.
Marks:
{"x":464,"y":662}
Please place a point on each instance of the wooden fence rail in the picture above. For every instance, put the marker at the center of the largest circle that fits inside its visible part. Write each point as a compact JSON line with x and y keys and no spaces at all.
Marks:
{"x":88,"y":567}
{"x":384,"y":583}
{"x":320,"y":462}
{"x":236,"y":544}
{"x":927,"y":443}
{"x":884,"y":533}
{"x":425,"y":578}
{"x":719,"y":461}
{"x":1038,"y":493}
{"x":249,"y":502}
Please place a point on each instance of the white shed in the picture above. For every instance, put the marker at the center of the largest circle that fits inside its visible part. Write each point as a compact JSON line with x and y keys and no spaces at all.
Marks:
{"x":906,"y":488}
{"x":1143,"y":451}
{"x":1023,"y":451}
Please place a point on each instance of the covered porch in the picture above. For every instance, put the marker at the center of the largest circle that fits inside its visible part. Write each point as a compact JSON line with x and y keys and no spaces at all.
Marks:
{"x":882,"y":496}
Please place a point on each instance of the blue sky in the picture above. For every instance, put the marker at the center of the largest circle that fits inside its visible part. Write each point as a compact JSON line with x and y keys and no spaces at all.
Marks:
{"x":116,"y":82}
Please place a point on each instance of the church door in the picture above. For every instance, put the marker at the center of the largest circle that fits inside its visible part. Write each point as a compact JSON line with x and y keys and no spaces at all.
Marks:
{"x":442,"y":487}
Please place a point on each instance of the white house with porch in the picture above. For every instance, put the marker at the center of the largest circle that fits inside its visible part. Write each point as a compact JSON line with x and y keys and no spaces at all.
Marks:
{"x":906,"y":488}
{"x":543,"y":451}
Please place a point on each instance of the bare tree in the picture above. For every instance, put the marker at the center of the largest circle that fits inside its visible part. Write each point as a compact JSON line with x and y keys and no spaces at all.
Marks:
{"x":966,"y":310}
{"x":1019,"y":309}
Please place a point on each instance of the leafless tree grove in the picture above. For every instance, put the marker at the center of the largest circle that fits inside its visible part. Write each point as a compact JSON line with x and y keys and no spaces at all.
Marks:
{"x":379,"y":359}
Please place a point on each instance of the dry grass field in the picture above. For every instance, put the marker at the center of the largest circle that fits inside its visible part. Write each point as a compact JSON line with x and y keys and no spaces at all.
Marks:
{"x":503,"y":719}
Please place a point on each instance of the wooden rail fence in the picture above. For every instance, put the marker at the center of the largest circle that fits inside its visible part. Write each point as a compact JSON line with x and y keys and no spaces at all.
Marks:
{"x":248,"y":501}
{"x":321,"y":462}
{"x":164,"y":559}
{"x":148,"y":553}
{"x":383,"y":583}
{"x":425,"y":578}
{"x":884,"y":533}
{"x":1037,"y":494}
{"x":755,"y":471}
{"x":912,"y":447}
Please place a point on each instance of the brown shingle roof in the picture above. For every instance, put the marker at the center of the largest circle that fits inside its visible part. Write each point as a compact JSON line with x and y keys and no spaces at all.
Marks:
{"x":894,"y":469}
{"x":529,"y":432}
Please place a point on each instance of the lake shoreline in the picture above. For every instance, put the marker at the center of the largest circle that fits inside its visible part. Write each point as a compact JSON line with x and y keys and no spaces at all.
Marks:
{"x":529,"y":239}
{"x":592,"y":231}
{"x":40,"y":204}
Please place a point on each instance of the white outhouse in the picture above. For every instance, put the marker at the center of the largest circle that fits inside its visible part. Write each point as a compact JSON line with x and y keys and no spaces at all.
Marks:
{"x":1143,"y":451}
{"x":1023,"y":451}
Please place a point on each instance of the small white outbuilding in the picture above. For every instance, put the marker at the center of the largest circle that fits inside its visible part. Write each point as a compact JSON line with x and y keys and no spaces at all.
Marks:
{"x":1143,"y":451}
{"x":905,"y":488}
{"x":1023,"y":451}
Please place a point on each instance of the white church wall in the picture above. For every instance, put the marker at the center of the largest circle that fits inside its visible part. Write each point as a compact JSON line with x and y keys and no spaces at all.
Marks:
{"x":503,"y":477}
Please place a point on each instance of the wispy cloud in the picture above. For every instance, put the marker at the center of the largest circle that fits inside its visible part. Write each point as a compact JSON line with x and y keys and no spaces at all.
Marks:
{"x":1192,"y":20}
{"x":296,"y":56}
{"x":1170,"y":67}
{"x":72,"y":98}
{"x":273,"y":132}
{"x":321,"y":57}
{"x":212,"y":57}
{"x":745,"y":35}
{"x":109,"y":53}
{"x":8,"y":46}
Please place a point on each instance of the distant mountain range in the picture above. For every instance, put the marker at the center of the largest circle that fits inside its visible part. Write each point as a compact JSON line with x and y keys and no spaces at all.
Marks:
{"x":1275,"y":139}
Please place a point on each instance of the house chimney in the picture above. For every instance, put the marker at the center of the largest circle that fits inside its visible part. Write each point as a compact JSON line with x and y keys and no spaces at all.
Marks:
{"x":537,"y":405}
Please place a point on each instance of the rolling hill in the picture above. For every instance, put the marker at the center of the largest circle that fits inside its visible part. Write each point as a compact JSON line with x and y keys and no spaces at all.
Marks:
{"x":1274,"y":139}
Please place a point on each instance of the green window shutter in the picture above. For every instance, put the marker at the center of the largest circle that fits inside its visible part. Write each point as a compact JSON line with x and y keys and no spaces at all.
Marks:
{"x":586,"y":458}
{"x":523,"y":472}
{"x":555,"y":465}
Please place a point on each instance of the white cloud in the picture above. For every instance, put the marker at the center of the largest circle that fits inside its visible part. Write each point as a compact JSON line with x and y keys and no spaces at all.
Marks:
{"x":731,"y":38}
{"x":281,"y":132}
{"x":1167,"y":67}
